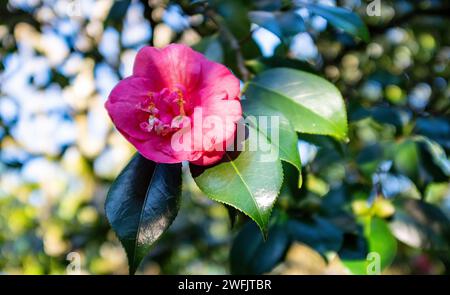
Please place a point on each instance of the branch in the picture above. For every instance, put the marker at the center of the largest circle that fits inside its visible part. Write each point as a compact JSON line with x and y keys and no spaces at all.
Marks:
{"x":234,"y":43}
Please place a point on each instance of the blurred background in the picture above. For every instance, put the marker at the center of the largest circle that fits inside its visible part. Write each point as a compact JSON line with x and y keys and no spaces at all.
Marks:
{"x":59,"y":151}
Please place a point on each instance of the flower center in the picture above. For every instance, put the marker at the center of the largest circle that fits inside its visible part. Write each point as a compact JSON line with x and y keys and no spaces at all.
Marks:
{"x":166,"y":111}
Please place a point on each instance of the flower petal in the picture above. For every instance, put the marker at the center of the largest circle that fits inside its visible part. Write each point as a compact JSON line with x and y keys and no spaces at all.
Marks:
{"x":132,"y":90}
{"x":176,"y":64}
{"x":124,"y":105}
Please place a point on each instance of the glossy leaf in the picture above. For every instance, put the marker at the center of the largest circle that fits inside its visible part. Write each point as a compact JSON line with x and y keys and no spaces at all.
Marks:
{"x":250,"y":254}
{"x":268,"y":5}
{"x":249,"y":180}
{"x":422,"y":161}
{"x":265,"y":63}
{"x":421,"y":225}
{"x":407,"y":160}
{"x":437,"y":155}
{"x":435,"y":128}
{"x":141,"y":204}
{"x":341,"y":18}
{"x":118,"y":11}
{"x":233,"y":214}
{"x":382,"y":248}
{"x":310,"y":103}
{"x":318,"y":233}
{"x":282,"y":24}
{"x":286,"y":139}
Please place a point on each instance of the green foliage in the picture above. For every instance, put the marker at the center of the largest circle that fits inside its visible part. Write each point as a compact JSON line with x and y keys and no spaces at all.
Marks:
{"x":310,"y":103}
{"x":248,"y":180}
{"x":342,"y":19}
{"x":282,"y":24}
{"x":251,"y":254}
{"x":374,"y":177}
{"x":427,"y":226}
{"x":286,"y":141}
{"x":318,"y":233}
{"x":381,"y":244}
{"x":142,"y":203}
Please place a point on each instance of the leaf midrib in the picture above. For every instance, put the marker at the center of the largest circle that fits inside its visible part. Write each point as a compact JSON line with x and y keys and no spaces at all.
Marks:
{"x":336,"y":127}
{"x":141,"y":215}
{"x":245,"y":184}
{"x":278,"y":146}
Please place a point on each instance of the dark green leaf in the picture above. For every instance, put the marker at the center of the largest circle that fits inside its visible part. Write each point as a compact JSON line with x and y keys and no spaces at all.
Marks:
{"x":420,"y":225}
{"x":394,"y":116}
{"x":282,"y":24}
{"x":436,"y":154}
{"x":232,"y":214}
{"x":437,"y":129}
{"x":310,"y":103}
{"x":422,"y":160}
{"x":382,"y":246}
{"x":342,"y":18}
{"x":354,"y":247}
{"x":268,"y":5}
{"x":142,"y":203}
{"x":292,"y":182}
{"x":264,"y":63}
{"x":211,"y":48}
{"x":370,"y":158}
{"x":407,"y":160}
{"x":250,"y":254}
{"x":234,"y":15}
{"x":316,"y":232}
{"x":118,"y":11}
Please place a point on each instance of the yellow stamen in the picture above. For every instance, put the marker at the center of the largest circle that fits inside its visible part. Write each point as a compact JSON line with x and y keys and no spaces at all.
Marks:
{"x":180,"y":101}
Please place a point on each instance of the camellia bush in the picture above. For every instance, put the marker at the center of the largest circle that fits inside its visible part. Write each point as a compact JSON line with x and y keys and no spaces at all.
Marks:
{"x":178,"y":106}
{"x":327,"y":153}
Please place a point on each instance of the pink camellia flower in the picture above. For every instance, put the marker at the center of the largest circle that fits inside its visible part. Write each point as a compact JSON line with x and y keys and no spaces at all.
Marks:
{"x":177,"y":106}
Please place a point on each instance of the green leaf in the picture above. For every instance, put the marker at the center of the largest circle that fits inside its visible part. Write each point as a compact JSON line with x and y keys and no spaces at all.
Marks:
{"x":407,"y":160}
{"x":436,"y":153}
{"x":141,"y":204}
{"x":250,"y":254}
{"x":435,"y":128}
{"x":232,"y":214}
{"x":234,"y":16}
{"x":286,"y":139}
{"x":211,"y":47}
{"x":268,"y":5}
{"x":310,"y":103}
{"x":249,"y":180}
{"x":282,"y":24}
{"x":382,"y":246}
{"x":118,"y":11}
{"x":421,"y":160}
{"x":420,"y":225}
{"x":316,"y":232}
{"x":264,"y":63}
{"x":342,"y":18}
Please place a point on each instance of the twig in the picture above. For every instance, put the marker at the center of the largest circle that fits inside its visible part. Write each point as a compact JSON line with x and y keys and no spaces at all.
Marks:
{"x":248,"y":37}
{"x":234,"y":43}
